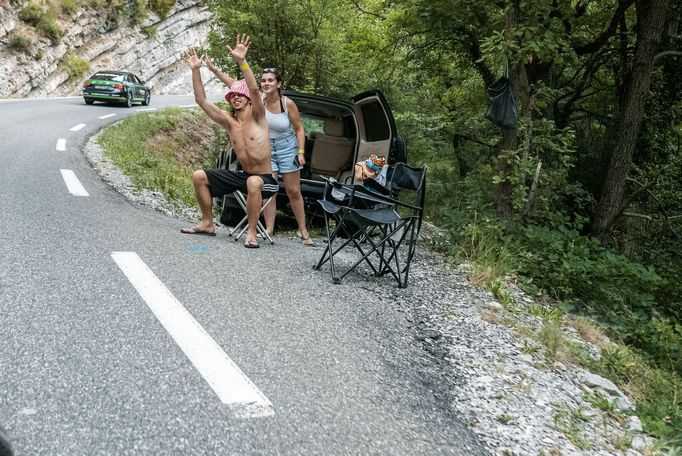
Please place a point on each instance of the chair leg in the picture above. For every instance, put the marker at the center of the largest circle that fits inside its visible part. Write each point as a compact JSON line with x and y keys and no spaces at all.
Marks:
{"x":243,"y":224}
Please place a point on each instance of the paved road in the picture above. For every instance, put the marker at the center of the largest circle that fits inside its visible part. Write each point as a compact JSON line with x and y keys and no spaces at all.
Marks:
{"x":119,"y":335}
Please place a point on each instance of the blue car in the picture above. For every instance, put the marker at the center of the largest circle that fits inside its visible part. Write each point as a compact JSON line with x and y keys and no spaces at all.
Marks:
{"x":120,"y":87}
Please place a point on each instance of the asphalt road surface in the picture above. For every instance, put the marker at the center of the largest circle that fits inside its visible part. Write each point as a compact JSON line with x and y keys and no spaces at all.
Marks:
{"x":119,"y":335}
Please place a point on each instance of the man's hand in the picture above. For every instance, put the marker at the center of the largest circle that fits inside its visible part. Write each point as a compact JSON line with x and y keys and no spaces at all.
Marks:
{"x":209,"y":63}
{"x":240,"y":49}
{"x":190,"y":56}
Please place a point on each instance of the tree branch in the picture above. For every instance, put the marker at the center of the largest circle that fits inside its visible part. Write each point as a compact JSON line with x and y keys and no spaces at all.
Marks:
{"x":589,"y":48}
{"x":666,"y":54}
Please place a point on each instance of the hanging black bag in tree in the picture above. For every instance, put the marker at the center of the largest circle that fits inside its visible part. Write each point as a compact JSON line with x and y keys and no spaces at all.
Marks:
{"x":502,"y":110}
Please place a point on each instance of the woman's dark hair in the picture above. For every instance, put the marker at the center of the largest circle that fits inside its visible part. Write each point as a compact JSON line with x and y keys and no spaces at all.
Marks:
{"x":278,"y":77}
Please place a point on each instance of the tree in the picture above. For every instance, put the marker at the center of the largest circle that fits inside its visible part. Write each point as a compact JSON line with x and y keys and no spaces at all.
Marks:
{"x":651,"y":17}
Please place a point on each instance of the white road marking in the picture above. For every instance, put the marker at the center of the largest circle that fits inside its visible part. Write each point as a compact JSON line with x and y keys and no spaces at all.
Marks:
{"x":231,"y":385}
{"x":61,"y":144}
{"x":107,"y":116}
{"x":77,"y":127}
{"x":72,"y":183}
{"x":188,"y":106}
{"x":145,"y":109}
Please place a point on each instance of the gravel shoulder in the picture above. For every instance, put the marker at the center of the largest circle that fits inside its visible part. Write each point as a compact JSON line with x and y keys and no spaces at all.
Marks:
{"x":476,"y":357}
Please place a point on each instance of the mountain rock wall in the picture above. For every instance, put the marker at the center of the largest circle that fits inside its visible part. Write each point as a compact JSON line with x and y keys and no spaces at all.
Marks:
{"x":38,"y":68}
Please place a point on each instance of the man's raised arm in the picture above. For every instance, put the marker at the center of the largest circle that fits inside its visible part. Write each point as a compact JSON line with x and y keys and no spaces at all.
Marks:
{"x":239,"y":56}
{"x":194,"y":63}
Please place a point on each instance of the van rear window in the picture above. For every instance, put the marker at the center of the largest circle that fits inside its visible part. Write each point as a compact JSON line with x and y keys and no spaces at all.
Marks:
{"x":376,"y":123}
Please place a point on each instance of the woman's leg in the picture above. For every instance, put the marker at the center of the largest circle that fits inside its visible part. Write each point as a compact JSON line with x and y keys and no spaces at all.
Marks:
{"x":292,"y":183}
{"x":271,"y":210}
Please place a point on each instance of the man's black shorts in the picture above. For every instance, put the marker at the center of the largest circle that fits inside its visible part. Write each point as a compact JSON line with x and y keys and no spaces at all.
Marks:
{"x":222,"y":182}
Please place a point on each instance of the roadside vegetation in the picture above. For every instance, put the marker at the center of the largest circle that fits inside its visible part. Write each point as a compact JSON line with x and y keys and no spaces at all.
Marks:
{"x":580,"y":205}
{"x":160,"y":150}
{"x":44,"y":16}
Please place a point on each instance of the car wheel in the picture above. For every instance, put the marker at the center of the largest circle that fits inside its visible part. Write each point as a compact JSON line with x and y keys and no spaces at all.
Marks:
{"x":147,"y":99}
{"x":129,"y":99}
{"x":89,"y":101}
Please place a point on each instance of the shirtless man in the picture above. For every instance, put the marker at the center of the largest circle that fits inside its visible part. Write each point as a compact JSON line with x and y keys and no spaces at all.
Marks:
{"x":248,"y":131}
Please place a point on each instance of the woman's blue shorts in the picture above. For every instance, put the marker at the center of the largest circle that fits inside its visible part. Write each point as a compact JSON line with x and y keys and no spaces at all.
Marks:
{"x":284,"y":150}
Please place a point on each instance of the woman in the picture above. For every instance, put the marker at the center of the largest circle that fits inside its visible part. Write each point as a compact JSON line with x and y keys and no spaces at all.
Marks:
{"x":287,"y":140}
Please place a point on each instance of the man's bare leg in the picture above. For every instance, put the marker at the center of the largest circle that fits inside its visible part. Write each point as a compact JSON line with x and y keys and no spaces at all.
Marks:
{"x":203,"y":194}
{"x":254,"y":201}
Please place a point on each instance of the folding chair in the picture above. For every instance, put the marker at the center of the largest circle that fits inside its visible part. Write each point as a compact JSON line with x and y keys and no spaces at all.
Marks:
{"x":243,"y":224}
{"x":378,"y":224}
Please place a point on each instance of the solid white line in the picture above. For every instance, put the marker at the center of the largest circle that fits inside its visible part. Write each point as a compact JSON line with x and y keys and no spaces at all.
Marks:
{"x":231,"y":385}
{"x":73,"y":184}
{"x":107,"y":116}
{"x":77,"y":127}
{"x":188,"y":106}
{"x":145,"y":109}
{"x":61,"y":144}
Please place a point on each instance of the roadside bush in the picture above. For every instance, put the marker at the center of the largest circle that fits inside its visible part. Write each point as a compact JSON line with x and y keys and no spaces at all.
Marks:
{"x":577,"y":268}
{"x":75,"y":66}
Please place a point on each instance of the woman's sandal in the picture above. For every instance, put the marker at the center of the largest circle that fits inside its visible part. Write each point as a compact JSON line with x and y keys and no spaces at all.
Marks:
{"x":306,"y":241}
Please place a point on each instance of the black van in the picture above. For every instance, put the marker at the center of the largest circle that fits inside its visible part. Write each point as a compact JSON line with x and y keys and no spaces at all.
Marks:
{"x":338,"y":134}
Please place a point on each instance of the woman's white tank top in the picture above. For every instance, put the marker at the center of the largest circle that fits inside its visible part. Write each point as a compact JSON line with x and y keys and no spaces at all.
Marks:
{"x":279,"y":124}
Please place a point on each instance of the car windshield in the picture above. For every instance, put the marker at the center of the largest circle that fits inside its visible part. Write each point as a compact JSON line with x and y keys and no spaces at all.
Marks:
{"x":108,"y":77}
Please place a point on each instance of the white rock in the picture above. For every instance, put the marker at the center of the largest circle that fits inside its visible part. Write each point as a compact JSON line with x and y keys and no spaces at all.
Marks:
{"x":598,"y":381}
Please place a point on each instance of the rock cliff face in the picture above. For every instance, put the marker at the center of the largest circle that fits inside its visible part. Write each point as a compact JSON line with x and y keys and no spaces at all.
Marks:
{"x":38,"y":69}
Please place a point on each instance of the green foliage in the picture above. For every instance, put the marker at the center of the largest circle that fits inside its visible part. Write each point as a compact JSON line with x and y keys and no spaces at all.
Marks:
{"x":69,"y":6}
{"x":574,"y":267}
{"x":161,"y":7}
{"x":19,"y":42}
{"x":75,"y":66}
{"x":157,"y":165}
{"x":150,"y":31}
{"x":43,"y":19}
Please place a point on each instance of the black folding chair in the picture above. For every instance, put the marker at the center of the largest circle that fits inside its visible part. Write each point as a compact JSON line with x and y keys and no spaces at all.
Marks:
{"x":381,"y":224}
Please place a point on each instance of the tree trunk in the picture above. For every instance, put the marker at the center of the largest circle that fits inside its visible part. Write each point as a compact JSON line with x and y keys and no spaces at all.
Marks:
{"x":651,"y":16}
{"x":519,"y":82}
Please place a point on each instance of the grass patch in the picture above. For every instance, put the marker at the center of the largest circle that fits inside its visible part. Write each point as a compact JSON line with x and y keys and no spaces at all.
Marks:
{"x":20,"y":43}
{"x":159,"y":151}
{"x":69,"y":6}
{"x":150,"y":31}
{"x":44,"y":19}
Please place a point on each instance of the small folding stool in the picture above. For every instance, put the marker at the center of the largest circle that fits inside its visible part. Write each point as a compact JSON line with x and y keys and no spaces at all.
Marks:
{"x":243,"y":224}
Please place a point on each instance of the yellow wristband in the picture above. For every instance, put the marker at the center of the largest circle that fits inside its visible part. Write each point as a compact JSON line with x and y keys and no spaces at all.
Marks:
{"x":245,"y":66}
{"x":301,"y":151}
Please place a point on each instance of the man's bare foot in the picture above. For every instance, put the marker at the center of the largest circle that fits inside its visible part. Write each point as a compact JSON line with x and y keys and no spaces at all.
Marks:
{"x":198,"y":230}
{"x":251,"y":244}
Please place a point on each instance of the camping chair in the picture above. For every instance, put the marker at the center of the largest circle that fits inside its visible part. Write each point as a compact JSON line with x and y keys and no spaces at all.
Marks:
{"x":378,"y":224}
{"x":243,"y":224}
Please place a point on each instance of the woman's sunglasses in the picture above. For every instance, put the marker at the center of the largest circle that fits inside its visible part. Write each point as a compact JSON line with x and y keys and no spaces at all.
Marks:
{"x":270,"y":70}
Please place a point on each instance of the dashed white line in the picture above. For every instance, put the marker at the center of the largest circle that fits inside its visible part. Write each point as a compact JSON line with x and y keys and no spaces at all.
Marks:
{"x":231,"y":385}
{"x":61,"y":144}
{"x":107,"y":116}
{"x":72,"y":183}
{"x":77,"y":127}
